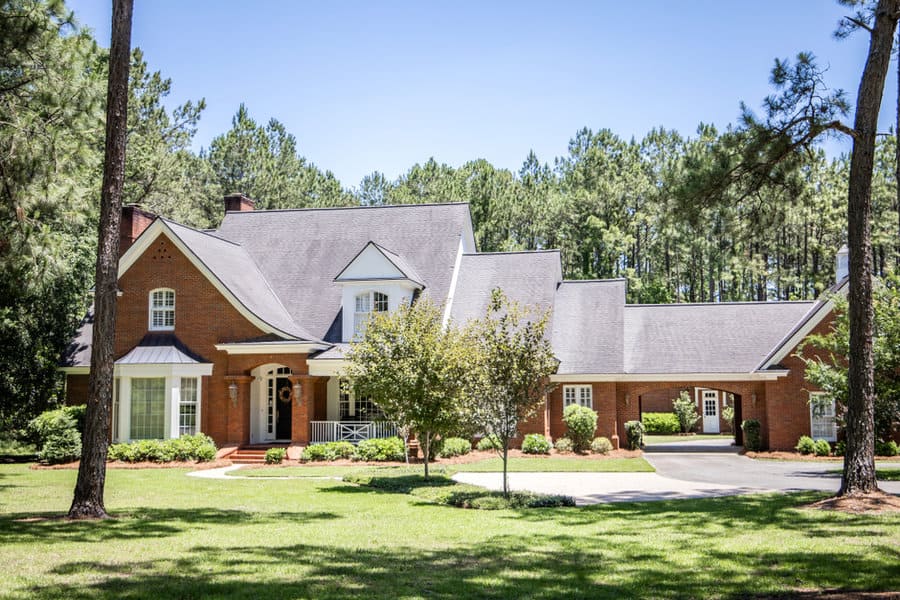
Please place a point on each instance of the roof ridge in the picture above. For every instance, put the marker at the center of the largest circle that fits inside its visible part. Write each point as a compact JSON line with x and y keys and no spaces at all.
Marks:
{"x":326,"y":208}
{"x":511,"y":252}
{"x":610,"y":280}
{"x":732,"y":303}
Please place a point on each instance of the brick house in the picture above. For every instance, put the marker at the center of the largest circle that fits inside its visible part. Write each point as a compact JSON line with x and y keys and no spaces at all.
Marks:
{"x":240,"y":332}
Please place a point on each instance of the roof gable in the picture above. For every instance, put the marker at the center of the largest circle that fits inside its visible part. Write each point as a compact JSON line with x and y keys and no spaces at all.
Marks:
{"x":374,"y":263}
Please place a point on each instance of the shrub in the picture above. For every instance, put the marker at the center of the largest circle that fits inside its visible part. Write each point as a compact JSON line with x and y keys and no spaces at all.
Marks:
{"x":328,"y":451}
{"x":380,"y":450}
{"x":488,"y":442}
{"x":563,"y":444}
{"x":805,"y":445}
{"x":660,"y":423}
{"x":822,"y":448}
{"x":455,"y":447}
{"x":634,"y":434}
{"x":64,"y":446}
{"x":275,"y":456}
{"x":535,"y":443}
{"x":601,"y":445}
{"x":199,"y":447}
{"x":752,"y":439}
{"x":840,"y":448}
{"x":57,"y":436}
{"x":728,"y":415}
{"x":886,"y":448}
{"x":685,"y":411}
{"x":581,"y":423}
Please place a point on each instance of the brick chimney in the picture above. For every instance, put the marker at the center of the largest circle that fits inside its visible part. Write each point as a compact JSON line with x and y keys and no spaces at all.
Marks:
{"x":134,"y":221}
{"x":238,"y":202}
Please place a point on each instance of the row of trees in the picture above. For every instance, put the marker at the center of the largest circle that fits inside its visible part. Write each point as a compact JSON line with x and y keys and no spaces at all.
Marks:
{"x":489,"y":375}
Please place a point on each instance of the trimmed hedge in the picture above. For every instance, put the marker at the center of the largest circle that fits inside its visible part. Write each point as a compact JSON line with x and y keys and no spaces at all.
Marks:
{"x":535,"y":443}
{"x":381,"y":450}
{"x":634,"y":434}
{"x":455,"y":447}
{"x":822,"y":448}
{"x":488,"y":442}
{"x":199,"y":448}
{"x":805,"y":445}
{"x":57,"y":434}
{"x":658,"y":423}
{"x":581,"y":423}
{"x":275,"y":456}
{"x":601,"y":445}
{"x":752,"y":437}
{"x":886,"y":448}
{"x":563,"y":444}
{"x":328,"y":451}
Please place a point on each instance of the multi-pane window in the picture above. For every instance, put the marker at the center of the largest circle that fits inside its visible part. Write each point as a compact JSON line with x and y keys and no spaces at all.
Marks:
{"x":187,"y":407}
{"x":367,"y":303}
{"x":578,"y":394}
{"x":162,"y":310}
{"x":822,"y":421}
{"x":148,"y":399}
{"x":353,"y":408}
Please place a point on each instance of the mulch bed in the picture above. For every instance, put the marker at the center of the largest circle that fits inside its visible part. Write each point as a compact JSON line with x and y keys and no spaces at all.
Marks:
{"x":874,"y":503}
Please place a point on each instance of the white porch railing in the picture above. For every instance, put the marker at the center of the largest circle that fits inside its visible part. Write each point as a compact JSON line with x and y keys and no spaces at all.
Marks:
{"x":350,"y":431}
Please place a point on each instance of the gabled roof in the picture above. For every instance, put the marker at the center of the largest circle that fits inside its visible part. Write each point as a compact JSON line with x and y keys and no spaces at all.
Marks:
{"x":588,"y":326}
{"x":727,"y":337}
{"x":529,"y":278}
{"x":231,"y":269}
{"x":300,"y":251}
{"x":403,"y":269}
{"x":161,"y":349}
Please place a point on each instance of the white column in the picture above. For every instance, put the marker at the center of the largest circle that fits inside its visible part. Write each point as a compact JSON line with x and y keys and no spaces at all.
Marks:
{"x":173,"y":384}
{"x":199,"y":403}
{"x":124,"y":409}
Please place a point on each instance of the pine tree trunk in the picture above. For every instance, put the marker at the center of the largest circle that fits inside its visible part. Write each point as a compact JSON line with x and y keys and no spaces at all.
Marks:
{"x":859,"y":460}
{"x":87,"y":502}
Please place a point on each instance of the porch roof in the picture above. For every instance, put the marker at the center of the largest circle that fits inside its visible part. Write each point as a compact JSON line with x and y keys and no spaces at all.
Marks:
{"x":161,"y":349}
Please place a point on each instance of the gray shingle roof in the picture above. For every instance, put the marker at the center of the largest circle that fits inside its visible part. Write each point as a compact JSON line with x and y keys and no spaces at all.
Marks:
{"x":526,"y":277}
{"x":706,"y":338}
{"x":237,"y":271}
{"x":78,"y":352}
{"x":160,"y":349}
{"x":588,"y":326}
{"x":299,"y":252}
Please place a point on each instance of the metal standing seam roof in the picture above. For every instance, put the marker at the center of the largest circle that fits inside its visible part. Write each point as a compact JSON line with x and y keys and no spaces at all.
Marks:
{"x":299,"y":252}
{"x":160,"y":349}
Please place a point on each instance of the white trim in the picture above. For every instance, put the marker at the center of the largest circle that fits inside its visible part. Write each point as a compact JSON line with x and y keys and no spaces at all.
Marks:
{"x":151,"y":307}
{"x":613,"y":377}
{"x":577,"y":391}
{"x":271,"y":348}
{"x":159,"y":227}
{"x":164,"y":370}
{"x":75,"y":370}
{"x":453,"y":279}
{"x":327,"y":367}
{"x":790,"y":341}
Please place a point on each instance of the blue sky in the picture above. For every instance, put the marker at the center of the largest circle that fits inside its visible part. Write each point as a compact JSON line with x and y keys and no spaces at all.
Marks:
{"x":368,"y":86}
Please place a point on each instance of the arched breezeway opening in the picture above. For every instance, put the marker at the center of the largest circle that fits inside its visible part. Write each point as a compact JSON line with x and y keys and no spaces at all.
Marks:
{"x":710,"y":401}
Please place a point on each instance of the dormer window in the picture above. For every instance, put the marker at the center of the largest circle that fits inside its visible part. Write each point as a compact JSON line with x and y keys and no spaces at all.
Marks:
{"x":367,"y":303}
{"x":162,"y":310}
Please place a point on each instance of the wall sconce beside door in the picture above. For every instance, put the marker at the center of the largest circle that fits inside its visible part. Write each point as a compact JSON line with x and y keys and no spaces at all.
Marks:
{"x":233,"y":393}
{"x":297,"y":391}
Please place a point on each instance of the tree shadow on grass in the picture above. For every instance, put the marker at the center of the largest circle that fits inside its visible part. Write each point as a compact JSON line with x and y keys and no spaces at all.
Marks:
{"x":140,"y":523}
{"x":522,"y":566}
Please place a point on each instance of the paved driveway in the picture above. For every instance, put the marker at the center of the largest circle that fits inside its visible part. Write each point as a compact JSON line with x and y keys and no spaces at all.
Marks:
{"x":678,"y":475}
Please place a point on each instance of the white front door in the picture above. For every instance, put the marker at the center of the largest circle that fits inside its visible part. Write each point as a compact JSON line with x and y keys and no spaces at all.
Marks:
{"x":710,"y":411}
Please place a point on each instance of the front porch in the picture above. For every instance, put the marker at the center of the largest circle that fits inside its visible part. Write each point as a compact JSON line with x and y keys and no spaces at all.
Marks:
{"x":350,"y":431}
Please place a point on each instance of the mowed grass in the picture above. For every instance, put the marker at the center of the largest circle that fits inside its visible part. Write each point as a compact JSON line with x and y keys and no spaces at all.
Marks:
{"x":537,"y":464}
{"x":176,"y":536}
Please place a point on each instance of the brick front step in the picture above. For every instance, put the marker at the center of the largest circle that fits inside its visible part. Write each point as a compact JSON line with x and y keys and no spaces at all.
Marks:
{"x":247,"y":455}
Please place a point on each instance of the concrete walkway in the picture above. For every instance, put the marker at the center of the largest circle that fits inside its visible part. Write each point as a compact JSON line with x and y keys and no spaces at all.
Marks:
{"x":217,"y":473}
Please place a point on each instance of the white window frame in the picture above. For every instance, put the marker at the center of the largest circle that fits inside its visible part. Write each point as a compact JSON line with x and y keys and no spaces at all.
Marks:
{"x":816,"y":430}
{"x":158,"y":415}
{"x":583,"y":395}
{"x":188,"y":398}
{"x":366,"y":303}
{"x":167,"y":311}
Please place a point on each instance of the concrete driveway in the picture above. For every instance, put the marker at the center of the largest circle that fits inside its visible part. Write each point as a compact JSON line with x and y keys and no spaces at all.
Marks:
{"x":678,"y":476}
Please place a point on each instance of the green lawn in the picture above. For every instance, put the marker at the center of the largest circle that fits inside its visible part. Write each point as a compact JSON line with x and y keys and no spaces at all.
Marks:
{"x":665,"y":439}
{"x":516,"y":465}
{"x":190,"y":538}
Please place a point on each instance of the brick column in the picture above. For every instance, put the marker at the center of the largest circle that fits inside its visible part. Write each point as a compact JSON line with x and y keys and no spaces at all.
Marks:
{"x":237,"y":415}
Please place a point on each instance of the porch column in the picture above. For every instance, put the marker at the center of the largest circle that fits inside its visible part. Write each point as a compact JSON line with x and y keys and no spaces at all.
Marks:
{"x":237,"y":412}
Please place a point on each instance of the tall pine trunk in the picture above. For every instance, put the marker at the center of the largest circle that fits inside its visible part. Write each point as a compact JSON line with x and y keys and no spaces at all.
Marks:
{"x":87,"y":502}
{"x":859,"y":460}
